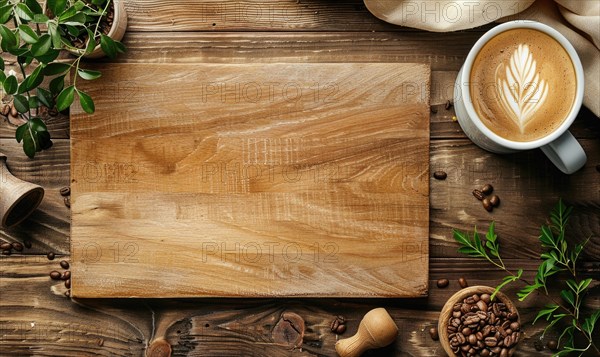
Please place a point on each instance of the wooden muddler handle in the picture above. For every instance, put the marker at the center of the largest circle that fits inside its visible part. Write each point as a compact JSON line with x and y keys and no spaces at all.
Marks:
{"x":377,"y":329}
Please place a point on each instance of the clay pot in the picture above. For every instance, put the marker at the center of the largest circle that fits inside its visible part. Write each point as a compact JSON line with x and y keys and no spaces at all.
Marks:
{"x":18,"y":198}
{"x":117,"y":31}
{"x":446,"y":313}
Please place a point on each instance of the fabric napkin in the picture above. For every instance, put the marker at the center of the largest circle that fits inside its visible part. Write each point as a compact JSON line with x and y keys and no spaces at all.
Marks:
{"x":577,"y":20}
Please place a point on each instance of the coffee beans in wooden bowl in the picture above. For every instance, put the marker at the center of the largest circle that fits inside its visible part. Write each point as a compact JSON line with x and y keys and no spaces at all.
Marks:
{"x":471,"y":324}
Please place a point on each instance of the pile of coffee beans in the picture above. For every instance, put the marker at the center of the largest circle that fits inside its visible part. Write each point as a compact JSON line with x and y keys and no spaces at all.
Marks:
{"x":482,"y":327}
{"x":488,"y":202}
{"x":338,"y":325}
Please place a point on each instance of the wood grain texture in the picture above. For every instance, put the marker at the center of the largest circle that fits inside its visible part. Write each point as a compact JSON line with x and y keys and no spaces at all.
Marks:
{"x":261,"y":179}
{"x":37,"y":319}
{"x":253,"y":15}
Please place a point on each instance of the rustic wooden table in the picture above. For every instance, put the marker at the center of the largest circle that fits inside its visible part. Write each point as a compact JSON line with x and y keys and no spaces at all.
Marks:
{"x":37,"y":319}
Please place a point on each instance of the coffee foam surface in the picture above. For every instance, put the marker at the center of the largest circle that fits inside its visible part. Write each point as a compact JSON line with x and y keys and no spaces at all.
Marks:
{"x":523,"y":84}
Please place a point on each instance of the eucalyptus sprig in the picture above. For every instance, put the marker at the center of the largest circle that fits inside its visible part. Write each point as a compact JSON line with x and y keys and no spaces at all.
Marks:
{"x":559,"y":256}
{"x":35,"y":40}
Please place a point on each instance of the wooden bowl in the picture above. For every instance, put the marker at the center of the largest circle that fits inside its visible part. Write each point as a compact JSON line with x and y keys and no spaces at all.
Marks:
{"x":447,"y":310}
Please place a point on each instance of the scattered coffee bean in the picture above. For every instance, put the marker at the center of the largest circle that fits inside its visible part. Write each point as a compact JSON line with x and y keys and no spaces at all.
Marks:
{"x":463,"y":282}
{"x":433,"y":332}
{"x":487,"y":205}
{"x":55,"y":275}
{"x":6,"y":252}
{"x":6,"y":246}
{"x":487,"y":189}
{"x":67,"y":201}
{"x":440,"y":175}
{"x":552,"y":345}
{"x":478,"y":194}
{"x":442,"y":283}
{"x":495,"y":200}
{"x":66,"y":275}
{"x":50,"y":256}
{"x":448,"y":105}
{"x":17,"y":246}
{"x":68,"y":293}
{"x":338,"y":325}
{"x":13,"y":111}
{"x":64,"y":264}
{"x":5,"y":110}
{"x":68,"y":283}
{"x":65,"y":191}
{"x":100,"y":342}
{"x":27,"y":244}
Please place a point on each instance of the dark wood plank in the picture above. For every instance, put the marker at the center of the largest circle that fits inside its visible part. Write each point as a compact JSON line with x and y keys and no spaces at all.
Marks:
{"x":36,"y":316}
{"x":251,"y":15}
{"x":443,"y":51}
{"x":528,"y":186}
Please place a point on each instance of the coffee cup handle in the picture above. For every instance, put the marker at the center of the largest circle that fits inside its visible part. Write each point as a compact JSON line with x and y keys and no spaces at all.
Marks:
{"x":566,"y":153}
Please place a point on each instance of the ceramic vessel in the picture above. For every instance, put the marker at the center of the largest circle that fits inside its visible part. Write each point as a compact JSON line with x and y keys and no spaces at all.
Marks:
{"x":18,"y":198}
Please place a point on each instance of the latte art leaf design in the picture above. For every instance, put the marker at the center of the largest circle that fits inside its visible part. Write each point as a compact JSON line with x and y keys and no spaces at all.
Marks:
{"x":521,"y":91}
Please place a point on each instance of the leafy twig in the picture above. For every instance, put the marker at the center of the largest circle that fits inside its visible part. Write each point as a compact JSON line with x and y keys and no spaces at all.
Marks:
{"x":558,"y":257}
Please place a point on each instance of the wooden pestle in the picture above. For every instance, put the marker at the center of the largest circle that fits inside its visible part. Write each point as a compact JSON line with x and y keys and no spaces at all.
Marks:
{"x":18,"y":198}
{"x":377,"y":329}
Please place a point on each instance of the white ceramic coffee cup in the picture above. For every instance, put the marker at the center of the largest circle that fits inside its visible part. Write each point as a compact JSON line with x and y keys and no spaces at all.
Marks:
{"x":560,"y":146}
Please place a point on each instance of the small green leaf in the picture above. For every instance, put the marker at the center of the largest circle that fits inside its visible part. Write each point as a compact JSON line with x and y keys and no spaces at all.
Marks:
{"x":9,"y":39}
{"x":54,"y":34}
{"x":40,"y":19}
{"x":120,"y":47}
{"x":108,"y":46}
{"x":21,"y":103}
{"x":33,"y":101}
{"x":20,"y":132}
{"x":45,"y":97}
{"x":568,"y":297}
{"x":88,"y":74}
{"x":546,"y":312}
{"x":91,"y":42}
{"x":77,"y":19}
{"x":56,"y":85}
{"x":27,"y":34}
{"x":1,"y":64}
{"x":584,"y":284}
{"x":5,"y":13}
{"x":56,"y":68}
{"x":10,"y":85}
{"x":505,"y":281}
{"x":590,"y":322}
{"x":24,"y":12}
{"x":34,"y":6}
{"x":50,"y":56}
{"x":33,"y":80}
{"x":57,"y":6}
{"x":41,"y":46}
{"x":65,"y":98}
{"x":86,"y":102}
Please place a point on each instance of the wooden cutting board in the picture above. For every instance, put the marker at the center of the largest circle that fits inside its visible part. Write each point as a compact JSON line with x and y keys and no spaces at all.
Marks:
{"x":257,"y":180}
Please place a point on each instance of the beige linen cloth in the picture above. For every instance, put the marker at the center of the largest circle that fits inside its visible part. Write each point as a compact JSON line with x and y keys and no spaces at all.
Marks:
{"x":577,"y":20}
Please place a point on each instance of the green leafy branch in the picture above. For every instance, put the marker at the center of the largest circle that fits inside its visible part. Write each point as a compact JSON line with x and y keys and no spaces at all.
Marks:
{"x":558,"y":256}
{"x":36,"y":40}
